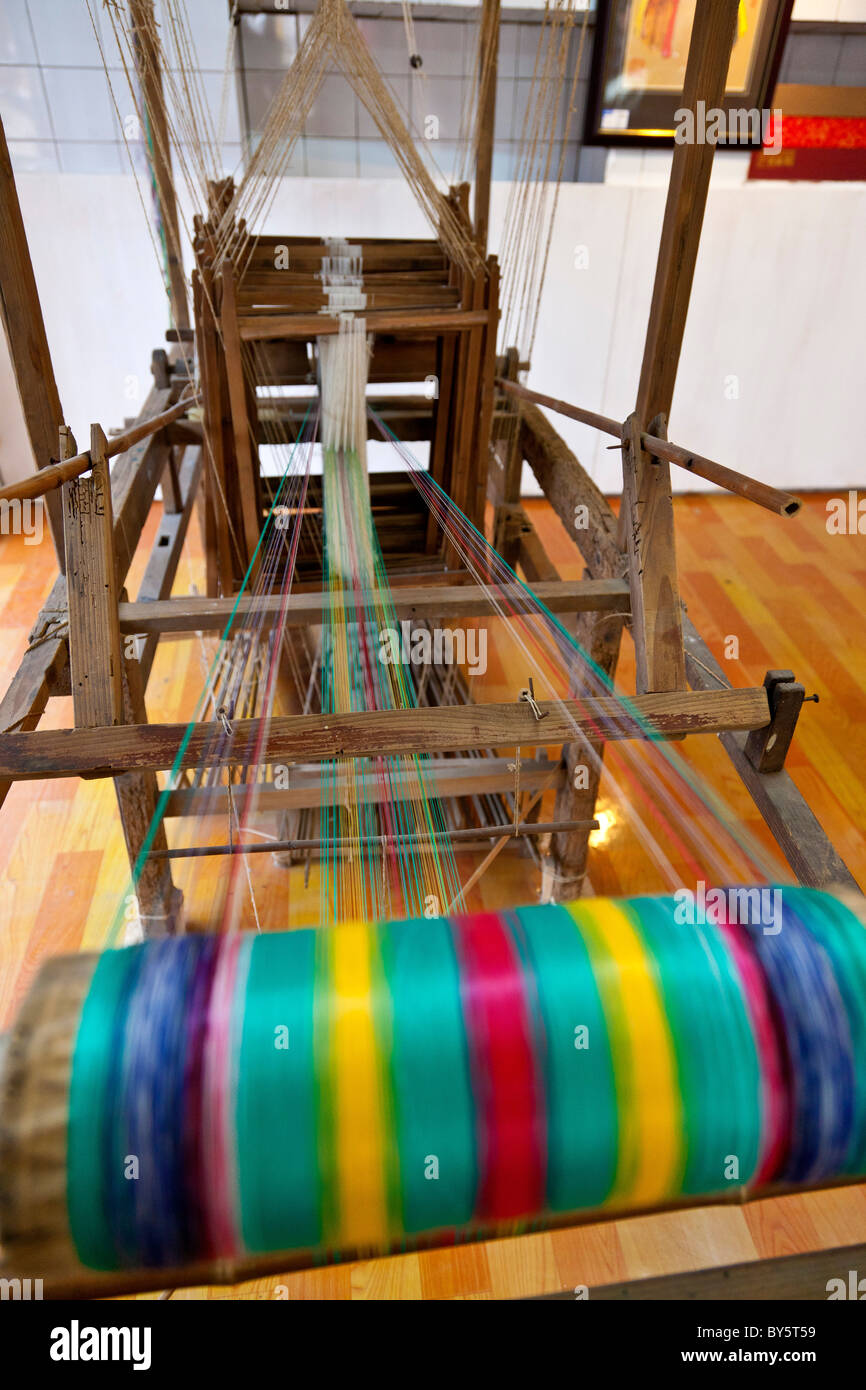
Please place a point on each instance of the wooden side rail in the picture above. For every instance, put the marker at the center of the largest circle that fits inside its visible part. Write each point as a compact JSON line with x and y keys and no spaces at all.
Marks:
{"x":782,"y":503}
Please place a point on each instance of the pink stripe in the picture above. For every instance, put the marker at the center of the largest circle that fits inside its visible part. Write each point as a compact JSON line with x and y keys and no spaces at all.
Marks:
{"x":776,"y":1105}
{"x":219,"y":1197}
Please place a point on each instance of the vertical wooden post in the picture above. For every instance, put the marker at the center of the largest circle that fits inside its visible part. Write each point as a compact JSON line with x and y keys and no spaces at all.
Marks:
{"x":488,"y":392}
{"x":105,"y":688}
{"x":159,"y":901}
{"x":706,"y":75}
{"x":504,"y":488}
{"x":646,"y":527}
{"x":94,"y":627}
{"x":159,"y":152}
{"x":245,"y":450}
{"x":218,"y":537}
{"x":489,"y":64}
{"x":28,"y":345}
{"x":648,"y":512}
{"x":600,"y":635}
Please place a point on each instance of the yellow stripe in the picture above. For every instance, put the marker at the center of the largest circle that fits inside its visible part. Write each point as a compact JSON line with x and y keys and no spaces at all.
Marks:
{"x":651,"y":1152}
{"x":357,"y":1091}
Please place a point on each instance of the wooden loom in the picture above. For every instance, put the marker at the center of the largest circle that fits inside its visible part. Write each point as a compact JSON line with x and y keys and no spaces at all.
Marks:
{"x":430,"y":319}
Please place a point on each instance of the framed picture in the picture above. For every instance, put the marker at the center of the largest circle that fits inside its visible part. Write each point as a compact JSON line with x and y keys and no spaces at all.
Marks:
{"x":639,"y":67}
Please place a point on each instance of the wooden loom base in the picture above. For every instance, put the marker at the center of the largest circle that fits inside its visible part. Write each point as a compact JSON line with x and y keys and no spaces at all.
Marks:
{"x":227,"y":1272}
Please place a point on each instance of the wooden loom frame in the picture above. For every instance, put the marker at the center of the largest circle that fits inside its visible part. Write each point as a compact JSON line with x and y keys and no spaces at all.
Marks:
{"x":77,"y":645}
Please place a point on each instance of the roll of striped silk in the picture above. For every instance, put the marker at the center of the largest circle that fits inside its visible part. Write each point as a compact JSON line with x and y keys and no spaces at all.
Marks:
{"x":372,"y":1086}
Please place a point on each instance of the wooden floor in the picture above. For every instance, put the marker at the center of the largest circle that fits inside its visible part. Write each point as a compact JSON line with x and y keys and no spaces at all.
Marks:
{"x":774,"y":592}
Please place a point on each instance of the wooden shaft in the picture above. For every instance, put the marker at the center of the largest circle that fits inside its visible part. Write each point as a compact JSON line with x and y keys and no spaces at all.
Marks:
{"x":159,"y":155}
{"x":574,"y":412}
{"x":488,"y":66}
{"x":24,"y":327}
{"x":451,"y":776}
{"x":59,"y":473}
{"x":473,"y":833}
{"x":706,"y":74}
{"x":375,"y":733}
{"x":648,"y":513}
{"x":782,"y":503}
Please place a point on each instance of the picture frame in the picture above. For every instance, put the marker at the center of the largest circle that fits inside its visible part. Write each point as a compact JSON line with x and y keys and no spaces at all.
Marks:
{"x":639,"y":64}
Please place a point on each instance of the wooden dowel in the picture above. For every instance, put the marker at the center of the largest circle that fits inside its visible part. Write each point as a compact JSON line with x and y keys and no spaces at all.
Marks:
{"x":121,"y":442}
{"x":773,"y":499}
{"x":574,"y":412}
{"x":56,"y":474}
{"x":782,"y":503}
{"x":473,"y":833}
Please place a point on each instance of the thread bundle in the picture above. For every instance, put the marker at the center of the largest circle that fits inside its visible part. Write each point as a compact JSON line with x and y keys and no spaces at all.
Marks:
{"x":372,"y":1085}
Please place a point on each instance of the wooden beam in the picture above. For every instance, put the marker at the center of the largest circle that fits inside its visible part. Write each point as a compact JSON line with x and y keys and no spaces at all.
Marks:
{"x":192,"y":614}
{"x":445,"y":777}
{"x":533,"y":560}
{"x":159,"y":154}
{"x":94,"y":634}
{"x":375,"y":733}
{"x":35,"y":680}
{"x":588,"y":518}
{"x":246,"y":450}
{"x":159,"y":576}
{"x":159,"y":902}
{"x":706,"y":75}
{"x":25,"y":334}
{"x":261,"y":327}
{"x":646,"y":519}
{"x":221,"y":544}
{"x":134,"y":480}
{"x":580,"y":505}
{"x":488,"y":61}
{"x":656,"y":611}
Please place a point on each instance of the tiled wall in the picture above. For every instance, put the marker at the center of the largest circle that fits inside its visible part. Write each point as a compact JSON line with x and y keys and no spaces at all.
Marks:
{"x":57,"y":106}
{"x":340,"y":137}
{"x":60,"y":116}
{"x":824,"y":60}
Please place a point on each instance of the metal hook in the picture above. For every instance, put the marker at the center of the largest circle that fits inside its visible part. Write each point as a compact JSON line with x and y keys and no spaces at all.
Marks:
{"x":528,"y":696}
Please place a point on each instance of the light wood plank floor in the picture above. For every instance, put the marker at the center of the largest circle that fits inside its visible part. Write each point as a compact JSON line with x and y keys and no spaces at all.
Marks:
{"x":786,"y":590}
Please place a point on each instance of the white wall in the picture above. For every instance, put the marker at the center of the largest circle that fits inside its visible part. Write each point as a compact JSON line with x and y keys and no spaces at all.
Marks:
{"x":777,"y":304}
{"x":772,"y":367}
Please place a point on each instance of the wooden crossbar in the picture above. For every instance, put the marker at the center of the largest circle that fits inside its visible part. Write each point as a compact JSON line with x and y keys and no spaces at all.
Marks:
{"x":260,"y":327}
{"x":315,"y":737}
{"x":189,"y":615}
